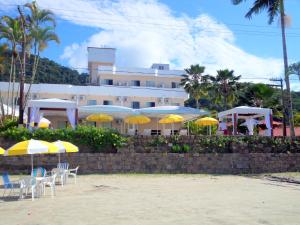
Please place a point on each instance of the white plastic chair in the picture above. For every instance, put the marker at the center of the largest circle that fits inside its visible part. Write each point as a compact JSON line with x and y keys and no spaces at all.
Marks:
{"x":73,"y":173}
{"x":167,"y":132}
{"x":131,"y":132}
{"x":147,"y":132}
{"x":60,"y":173}
{"x":50,"y":181}
{"x":183,"y":132}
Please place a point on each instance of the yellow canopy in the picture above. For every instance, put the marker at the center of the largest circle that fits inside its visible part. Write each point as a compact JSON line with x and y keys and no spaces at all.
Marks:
{"x":207,"y":121}
{"x":2,"y":151}
{"x":99,"y":118}
{"x":31,"y":147}
{"x":138,"y":119}
{"x":65,"y":146}
{"x":172,"y":118}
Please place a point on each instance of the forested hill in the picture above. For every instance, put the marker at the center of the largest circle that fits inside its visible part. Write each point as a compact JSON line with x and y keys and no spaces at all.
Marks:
{"x":48,"y":72}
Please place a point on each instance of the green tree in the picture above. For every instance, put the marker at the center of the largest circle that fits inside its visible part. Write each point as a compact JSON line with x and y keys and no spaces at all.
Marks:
{"x":275,"y":8}
{"x":10,"y":30}
{"x":41,"y":31}
{"x":195,"y":83}
{"x":224,"y":87}
{"x":295,"y":69}
{"x":261,"y":93}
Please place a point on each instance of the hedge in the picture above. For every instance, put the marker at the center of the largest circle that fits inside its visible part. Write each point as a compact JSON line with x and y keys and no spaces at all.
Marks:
{"x":97,"y":139}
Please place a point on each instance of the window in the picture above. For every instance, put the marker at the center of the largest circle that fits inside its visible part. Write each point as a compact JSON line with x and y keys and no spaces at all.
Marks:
{"x":92,"y":102}
{"x":150,"y":104}
{"x":160,"y":67}
{"x":108,"y":82}
{"x":175,"y":104}
{"x":136,"y":83}
{"x":135,"y":105}
{"x":107,"y":102}
{"x":175,"y":85}
{"x":150,"y":83}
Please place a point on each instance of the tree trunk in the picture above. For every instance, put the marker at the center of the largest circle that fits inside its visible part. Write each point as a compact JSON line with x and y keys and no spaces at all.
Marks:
{"x":286,"y":71}
{"x":23,"y":67}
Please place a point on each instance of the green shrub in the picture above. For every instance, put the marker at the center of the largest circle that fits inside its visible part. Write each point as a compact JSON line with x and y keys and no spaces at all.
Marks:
{"x":186,"y":148}
{"x":98,"y":139}
{"x":8,"y":123}
{"x":176,"y":148}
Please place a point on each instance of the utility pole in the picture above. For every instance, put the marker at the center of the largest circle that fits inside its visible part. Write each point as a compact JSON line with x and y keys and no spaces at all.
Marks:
{"x":283,"y":101}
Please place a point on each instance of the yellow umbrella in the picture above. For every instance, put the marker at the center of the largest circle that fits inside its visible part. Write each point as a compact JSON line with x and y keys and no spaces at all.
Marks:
{"x":99,"y":118}
{"x":172,"y":118}
{"x":65,"y":146}
{"x":206,"y":121}
{"x":43,"y":123}
{"x":31,"y":147}
{"x":2,"y":151}
{"x":137,"y":119}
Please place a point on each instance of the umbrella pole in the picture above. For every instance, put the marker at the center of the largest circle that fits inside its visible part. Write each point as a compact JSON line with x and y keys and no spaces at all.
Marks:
{"x":59,"y":158}
{"x":31,"y":163}
{"x":209,"y":130}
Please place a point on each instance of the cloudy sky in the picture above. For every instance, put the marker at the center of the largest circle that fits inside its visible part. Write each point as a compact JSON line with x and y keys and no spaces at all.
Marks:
{"x":213,"y":33}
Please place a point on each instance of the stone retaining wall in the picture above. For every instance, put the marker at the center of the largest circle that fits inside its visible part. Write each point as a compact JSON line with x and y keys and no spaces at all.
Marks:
{"x":128,"y":162}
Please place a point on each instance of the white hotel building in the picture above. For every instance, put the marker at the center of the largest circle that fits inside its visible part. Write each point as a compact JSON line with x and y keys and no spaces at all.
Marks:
{"x":111,"y":85}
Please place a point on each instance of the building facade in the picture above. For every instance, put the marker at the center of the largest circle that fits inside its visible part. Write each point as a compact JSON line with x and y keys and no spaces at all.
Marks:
{"x":112,"y":85}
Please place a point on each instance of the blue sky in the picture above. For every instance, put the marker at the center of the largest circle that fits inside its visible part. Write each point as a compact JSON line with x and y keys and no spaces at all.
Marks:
{"x":210,"y":32}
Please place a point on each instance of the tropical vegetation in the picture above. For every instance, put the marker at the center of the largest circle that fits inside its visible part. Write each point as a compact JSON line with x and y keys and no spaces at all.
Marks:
{"x":276,"y":8}
{"x":27,"y":35}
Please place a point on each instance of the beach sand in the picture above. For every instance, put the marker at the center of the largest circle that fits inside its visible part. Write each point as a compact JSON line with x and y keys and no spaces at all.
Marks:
{"x":160,"y":199}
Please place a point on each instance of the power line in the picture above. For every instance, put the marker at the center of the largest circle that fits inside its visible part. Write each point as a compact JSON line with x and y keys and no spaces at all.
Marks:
{"x":169,"y":26}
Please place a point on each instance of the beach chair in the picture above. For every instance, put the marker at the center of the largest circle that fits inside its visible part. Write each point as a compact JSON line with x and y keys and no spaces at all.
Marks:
{"x":50,"y":181}
{"x":167,"y":132}
{"x":132,"y":132}
{"x":147,"y":132}
{"x":10,"y":185}
{"x":183,"y":132}
{"x":73,"y":173}
{"x":60,"y":173}
{"x":64,"y":166}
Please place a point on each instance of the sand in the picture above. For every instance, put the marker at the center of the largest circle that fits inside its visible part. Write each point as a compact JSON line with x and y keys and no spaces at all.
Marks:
{"x":160,"y":199}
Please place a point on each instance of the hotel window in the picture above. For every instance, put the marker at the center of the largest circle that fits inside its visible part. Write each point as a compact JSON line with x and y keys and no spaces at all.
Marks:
{"x":175,"y":85}
{"x":135,"y":105}
{"x":107,"y":102}
{"x":150,"y":83}
{"x":108,"y":82}
{"x":150,"y":104}
{"x":136,"y":83}
{"x":92,"y":102}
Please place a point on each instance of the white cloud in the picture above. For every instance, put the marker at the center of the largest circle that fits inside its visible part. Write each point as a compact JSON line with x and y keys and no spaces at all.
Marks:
{"x":147,"y":31}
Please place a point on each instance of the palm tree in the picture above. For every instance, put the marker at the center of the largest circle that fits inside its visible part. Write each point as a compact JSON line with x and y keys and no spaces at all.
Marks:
{"x":41,"y":38}
{"x":41,"y":30}
{"x":261,"y":93}
{"x":10,"y":29}
{"x":295,"y":69}
{"x":195,"y":83}
{"x":224,"y":87}
{"x":275,"y":8}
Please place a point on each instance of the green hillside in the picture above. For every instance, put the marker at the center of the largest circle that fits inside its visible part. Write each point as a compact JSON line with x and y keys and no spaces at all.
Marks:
{"x":48,"y":72}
